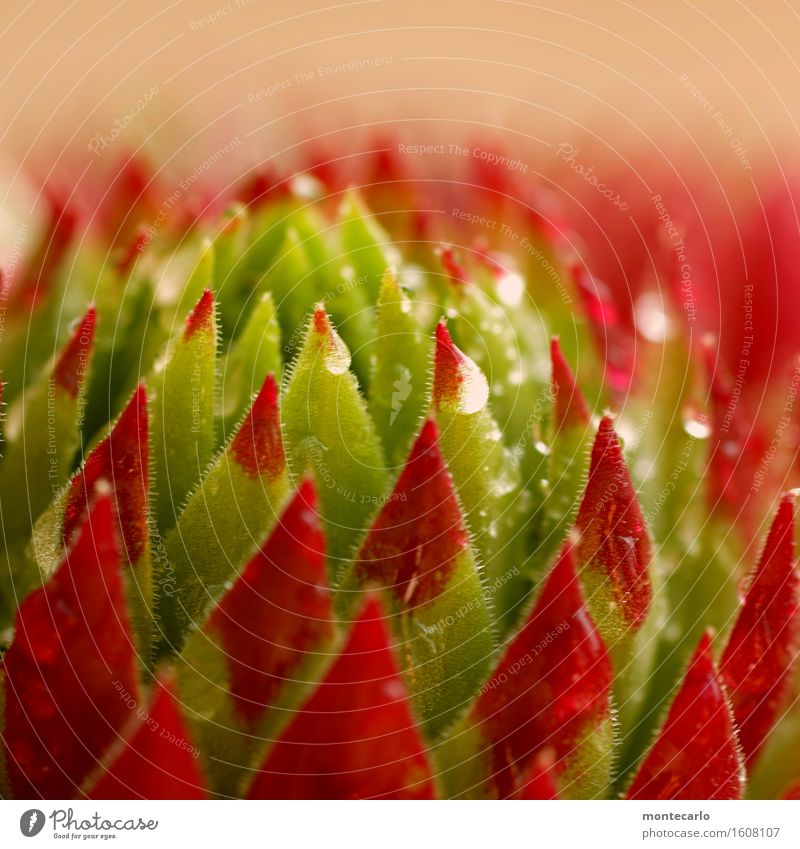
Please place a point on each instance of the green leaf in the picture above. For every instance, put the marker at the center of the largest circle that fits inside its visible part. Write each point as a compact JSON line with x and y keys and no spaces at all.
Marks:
{"x":341,"y":287}
{"x":4,"y":791}
{"x":127,"y":309}
{"x":182,"y":402}
{"x":201,"y":276}
{"x":550,"y":690}
{"x":565,"y":464}
{"x":253,"y":355}
{"x":264,"y":644}
{"x":492,"y":320}
{"x":224,"y":520}
{"x":367,"y":247}
{"x":232,"y":283}
{"x":485,"y":476}
{"x":329,"y":432}
{"x":119,"y":461}
{"x":46,"y":419}
{"x":399,"y":390}
{"x":38,"y":457}
{"x":418,"y":552}
{"x":293,"y":285}
{"x":35,"y":305}
{"x":268,"y":229}
{"x":619,"y":582}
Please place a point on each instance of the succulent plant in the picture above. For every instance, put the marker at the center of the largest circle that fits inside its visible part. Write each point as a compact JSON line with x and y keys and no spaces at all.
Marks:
{"x":294,"y":508}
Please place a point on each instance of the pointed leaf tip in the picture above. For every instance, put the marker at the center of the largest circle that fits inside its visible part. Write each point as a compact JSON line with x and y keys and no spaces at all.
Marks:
{"x":70,"y":668}
{"x":696,"y":755}
{"x":417,"y":537}
{"x":539,"y":782}
{"x":355,"y":737}
{"x":570,"y":408}
{"x":322,"y":324}
{"x":128,"y":256}
{"x":792,"y":792}
{"x":37,"y":277}
{"x":765,"y":638}
{"x":556,"y":697}
{"x":158,"y":760}
{"x":201,"y":318}
{"x":122,"y":460}
{"x":614,"y":540}
{"x":453,"y":268}
{"x":335,"y":353}
{"x":278,"y":611}
{"x":729,"y":436}
{"x":70,"y":369}
{"x":458,"y":383}
{"x":257,"y":446}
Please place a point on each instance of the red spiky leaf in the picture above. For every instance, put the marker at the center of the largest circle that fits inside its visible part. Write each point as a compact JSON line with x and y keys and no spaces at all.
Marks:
{"x":70,"y":369}
{"x":257,"y":447}
{"x":446,"y":369}
{"x":613,"y":535}
{"x":131,"y":199}
{"x":71,"y":658}
{"x":453,"y":268}
{"x":121,"y":460}
{"x":539,"y":781}
{"x":764,"y":641}
{"x":569,"y":408}
{"x":129,"y":255}
{"x":728,"y":436}
{"x":37,"y":277}
{"x":263,"y":186}
{"x":201,"y":317}
{"x":551,"y":697}
{"x":158,"y":760}
{"x":610,"y":328}
{"x":414,"y":543}
{"x":355,"y":737}
{"x":696,"y":754}
{"x":278,"y":610}
{"x":792,"y":792}
{"x":451,"y":369}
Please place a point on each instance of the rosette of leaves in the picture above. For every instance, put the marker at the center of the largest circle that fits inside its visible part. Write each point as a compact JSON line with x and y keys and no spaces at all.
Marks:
{"x":286,"y":516}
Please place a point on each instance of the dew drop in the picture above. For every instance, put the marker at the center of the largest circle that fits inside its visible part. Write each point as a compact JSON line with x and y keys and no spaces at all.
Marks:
{"x":337,"y":356}
{"x":651,"y":320}
{"x":696,"y":428}
{"x":510,"y":289}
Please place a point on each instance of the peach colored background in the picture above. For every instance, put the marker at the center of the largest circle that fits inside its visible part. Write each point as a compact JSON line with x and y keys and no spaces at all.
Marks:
{"x":546,"y":71}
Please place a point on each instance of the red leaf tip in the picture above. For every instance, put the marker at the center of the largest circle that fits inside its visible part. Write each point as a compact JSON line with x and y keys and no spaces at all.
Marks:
{"x":765,"y":638}
{"x":570,"y":408}
{"x":322,"y":324}
{"x":539,"y":781}
{"x":454,"y":269}
{"x":69,"y":663}
{"x":696,"y":753}
{"x":413,"y":544}
{"x":128,"y":256}
{"x":201,"y":318}
{"x":70,"y":369}
{"x":535,"y":699}
{"x":278,"y":611}
{"x":121,"y":459}
{"x":457,"y":381}
{"x":157,"y":760}
{"x":613,"y":534}
{"x":257,"y":446}
{"x":356,"y":736}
